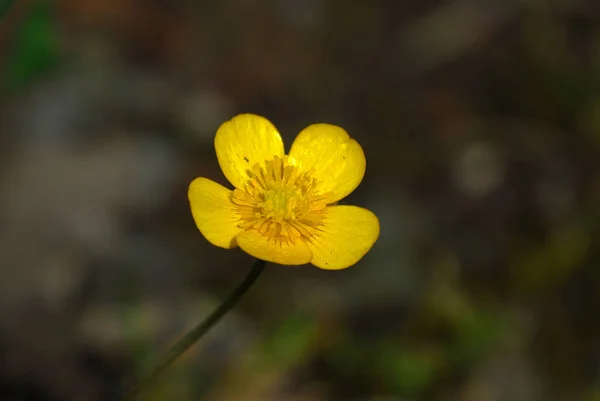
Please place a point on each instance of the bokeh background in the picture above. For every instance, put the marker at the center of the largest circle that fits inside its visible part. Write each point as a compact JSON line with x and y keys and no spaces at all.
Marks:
{"x":480,"y":120}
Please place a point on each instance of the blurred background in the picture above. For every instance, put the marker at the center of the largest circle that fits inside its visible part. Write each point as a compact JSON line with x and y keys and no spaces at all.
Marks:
{"x":480,"y":121}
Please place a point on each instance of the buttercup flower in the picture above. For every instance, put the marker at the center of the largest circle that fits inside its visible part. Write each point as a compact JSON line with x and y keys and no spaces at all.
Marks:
{"x":282,"y":209}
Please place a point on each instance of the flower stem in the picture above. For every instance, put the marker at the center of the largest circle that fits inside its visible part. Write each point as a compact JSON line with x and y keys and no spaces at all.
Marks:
{"x":198,"y":331}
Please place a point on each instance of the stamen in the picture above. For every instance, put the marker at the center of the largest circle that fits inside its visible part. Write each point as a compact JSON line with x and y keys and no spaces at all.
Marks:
{"x":280,"y":201}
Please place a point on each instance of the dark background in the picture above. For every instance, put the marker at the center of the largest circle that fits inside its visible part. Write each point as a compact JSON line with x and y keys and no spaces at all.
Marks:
{"x":480,"y":121}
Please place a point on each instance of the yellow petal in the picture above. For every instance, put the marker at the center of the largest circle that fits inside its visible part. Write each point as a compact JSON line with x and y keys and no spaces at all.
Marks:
{"x":213,"y":212}
{"x":348,"y":232}
{"x":259,"y":246}
{"x":338,"y":160}
{"x":243,"y":141}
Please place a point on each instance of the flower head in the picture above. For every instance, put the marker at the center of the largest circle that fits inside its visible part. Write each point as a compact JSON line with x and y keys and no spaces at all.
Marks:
{"x":283,"y":208}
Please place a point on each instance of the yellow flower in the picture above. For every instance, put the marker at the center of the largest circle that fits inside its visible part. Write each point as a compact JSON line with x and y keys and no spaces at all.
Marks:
{"x":282,"y":209}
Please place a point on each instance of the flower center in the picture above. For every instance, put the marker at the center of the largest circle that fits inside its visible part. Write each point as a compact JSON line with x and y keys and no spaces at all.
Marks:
{"x":280,"y":201}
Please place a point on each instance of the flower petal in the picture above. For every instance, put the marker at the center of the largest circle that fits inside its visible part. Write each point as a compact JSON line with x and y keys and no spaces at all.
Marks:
{"x":213,"y":212}
{"x":338,"y":160}
{"x":260,"y":246}
{"x":243,"y":141}
{"x":348,"y":232}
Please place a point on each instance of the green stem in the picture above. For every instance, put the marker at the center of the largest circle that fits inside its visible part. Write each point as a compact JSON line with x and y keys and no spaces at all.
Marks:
{"x":197,"y":332}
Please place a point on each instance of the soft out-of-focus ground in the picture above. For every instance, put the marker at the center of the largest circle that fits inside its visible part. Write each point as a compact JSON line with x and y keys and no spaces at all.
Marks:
{"x":481,"y":125}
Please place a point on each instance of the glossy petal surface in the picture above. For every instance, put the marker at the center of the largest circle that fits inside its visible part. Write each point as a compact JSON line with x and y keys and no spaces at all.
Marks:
{"x":213,"y":212}
{"x":244,"y":141}
{"x":286,"y":253}
{"x":347,"y":234}
{"x":338,"y":161}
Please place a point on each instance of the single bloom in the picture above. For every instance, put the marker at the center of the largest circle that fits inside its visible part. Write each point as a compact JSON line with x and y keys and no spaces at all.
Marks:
{"x":283,"y":208}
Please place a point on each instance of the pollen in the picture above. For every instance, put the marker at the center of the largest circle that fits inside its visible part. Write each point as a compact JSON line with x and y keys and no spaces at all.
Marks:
{"x":280,"y":201}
